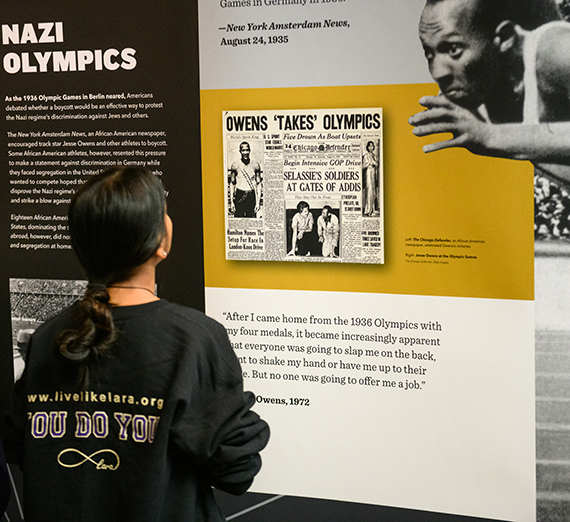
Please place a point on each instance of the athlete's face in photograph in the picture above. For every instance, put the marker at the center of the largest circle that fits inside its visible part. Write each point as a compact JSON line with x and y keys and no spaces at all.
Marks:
{"x":244,"y":150}
{"x":461,"y":58}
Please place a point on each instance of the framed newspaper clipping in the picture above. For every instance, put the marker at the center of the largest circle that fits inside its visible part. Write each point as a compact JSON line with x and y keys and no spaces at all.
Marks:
{"x":304,"y":185}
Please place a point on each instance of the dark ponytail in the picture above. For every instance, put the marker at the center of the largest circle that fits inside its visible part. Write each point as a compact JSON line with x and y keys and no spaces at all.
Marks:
{"x":95,"y":334}
{"x":116,"y":223}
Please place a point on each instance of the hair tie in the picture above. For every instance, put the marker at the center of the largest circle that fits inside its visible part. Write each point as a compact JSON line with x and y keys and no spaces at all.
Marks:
{"x":97,"y":292}
{"x":97,"y":286}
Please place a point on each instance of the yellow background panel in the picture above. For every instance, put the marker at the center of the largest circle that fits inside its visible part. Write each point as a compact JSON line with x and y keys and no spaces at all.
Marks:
{"x":451,"y":194}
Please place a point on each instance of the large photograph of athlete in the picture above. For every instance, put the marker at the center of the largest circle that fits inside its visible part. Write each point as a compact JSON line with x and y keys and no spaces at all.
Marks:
{"x":503,"y":70}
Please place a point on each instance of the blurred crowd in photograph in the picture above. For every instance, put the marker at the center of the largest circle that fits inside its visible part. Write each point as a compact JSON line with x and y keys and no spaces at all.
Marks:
{"x":551,"y":209}
{"x":41,"y":299}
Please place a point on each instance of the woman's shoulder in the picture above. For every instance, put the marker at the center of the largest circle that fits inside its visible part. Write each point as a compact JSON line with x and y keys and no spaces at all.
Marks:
{"x":209,"y":337}
{"x":191,"y":317}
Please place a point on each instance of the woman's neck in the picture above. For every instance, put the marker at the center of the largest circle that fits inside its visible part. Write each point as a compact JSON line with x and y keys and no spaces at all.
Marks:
{"x":138,"y":289}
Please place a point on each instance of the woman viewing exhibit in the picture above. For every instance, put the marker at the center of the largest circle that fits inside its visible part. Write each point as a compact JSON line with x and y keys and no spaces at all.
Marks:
{"x":370,"y":166}
{"x":130,"y":408}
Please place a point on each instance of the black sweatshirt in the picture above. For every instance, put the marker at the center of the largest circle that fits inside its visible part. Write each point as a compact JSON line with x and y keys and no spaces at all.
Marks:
{"x":164,"y":418}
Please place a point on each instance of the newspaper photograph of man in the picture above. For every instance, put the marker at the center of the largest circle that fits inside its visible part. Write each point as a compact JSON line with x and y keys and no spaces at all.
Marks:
{"x":245,"y":184}
{"x":328,"y":229}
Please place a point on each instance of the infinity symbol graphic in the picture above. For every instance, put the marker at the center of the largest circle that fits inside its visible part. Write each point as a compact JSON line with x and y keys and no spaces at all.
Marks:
{"x":90,"y":458}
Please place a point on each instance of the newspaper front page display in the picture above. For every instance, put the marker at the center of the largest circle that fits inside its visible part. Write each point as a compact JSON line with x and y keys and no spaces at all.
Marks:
{"x":304,"y":185}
